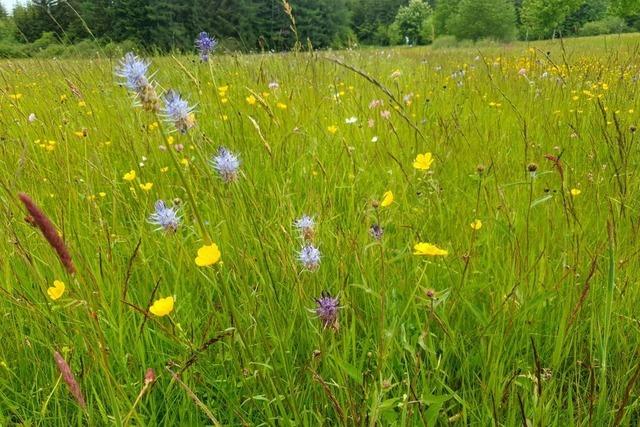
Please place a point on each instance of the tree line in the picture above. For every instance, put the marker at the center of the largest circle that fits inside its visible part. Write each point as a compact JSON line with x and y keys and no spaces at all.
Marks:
{"x":260,"y":25}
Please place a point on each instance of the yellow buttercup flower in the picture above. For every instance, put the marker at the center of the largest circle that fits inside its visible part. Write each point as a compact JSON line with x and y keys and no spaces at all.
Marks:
{"x":575,"y":192}
{"x":147,"y":186}
{"x":387,"y":199}
{"x":281,"y":106}
{"x":162,"y":307}
{"x":251,"y":100}
{"x":332,"y":129}
{"x":56,"y":290}
{"x":476,"y":224}
{"x":129,"y":176}
{"x":423,"y":161}
{"x":427,"y":249}
{"x":208,"y":255}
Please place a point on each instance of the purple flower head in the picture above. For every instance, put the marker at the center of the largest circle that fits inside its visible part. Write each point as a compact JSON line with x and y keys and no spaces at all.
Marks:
{"x":309,"y":257}
{"x":226,"y":164}
{"x":306,"y":225}
{"x":134,"y":72}
{"x":205,"y":45}
{"x":327,"y":310}
{"x":178,"y":112}
{"x":164,"y":217}
{"x":376,"y":231}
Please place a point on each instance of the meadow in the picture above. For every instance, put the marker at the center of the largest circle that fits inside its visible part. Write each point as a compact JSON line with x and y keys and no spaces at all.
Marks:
{"x":469,"y":255}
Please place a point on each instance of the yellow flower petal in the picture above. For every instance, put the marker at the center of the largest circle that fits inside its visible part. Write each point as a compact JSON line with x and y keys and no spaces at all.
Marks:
{"x":575,"y":192}
{"x":56,"y":290}
{"x":208,"y":255}
{"x":162,"y":307}
{"x":427,"y":249}
{"x":476,"y":224}
{"x":423,"y":161}
{"x":129,"y":176}
{"x":387,"y":199}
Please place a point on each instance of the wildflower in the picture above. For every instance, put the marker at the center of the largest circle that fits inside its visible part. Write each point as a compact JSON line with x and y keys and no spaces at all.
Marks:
{"x":69,"y":378}
{"x":327,"y":310}
{"x":396,"y":74}
{"x":48,"y":231}
{"x":309,"y":256}
{"x":351,"y":120}
{"x":575,"y":192}
{"x":208,"y":255}
{"x":427,"y":249}
{"x":332,"y":129}
{"x":423,"y":161}
{"x":375,"y":103}
{"x":476,"y":224}
{"x":15,"y":96}
{"x":32,"y":118}
{"x":164,"y":217}
{"x":147,"y":186}
{"x":56,"y":290}
{"x":532,"y":168}
{"x":281,"y":106}
{"x":162,"y":307}
{"x":374,"y":139}
{"x":134,"y":72}
{"x":251,"y":100}
{"x":376,"y":231}
{"x":129,"y":176}
{"x":385,"y":114}
{"x":387,"y":199}
{"x":274,"y":85}
{"x":226,"y":164}
{"x":178,"y":112}
{"x":205,"y":45}
{"x":306,"y":225}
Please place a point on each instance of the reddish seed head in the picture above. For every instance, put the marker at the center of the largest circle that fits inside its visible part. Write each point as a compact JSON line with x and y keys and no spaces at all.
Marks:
{"x":149,"y":376}
{"x":48,"y":231}
{"x":69,"y":379}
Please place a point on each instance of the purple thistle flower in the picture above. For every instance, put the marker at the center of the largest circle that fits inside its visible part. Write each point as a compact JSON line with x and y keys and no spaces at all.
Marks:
{"x":164,"y":217}
{"x":306,"y":225}
{"x":376,"y":231}
{"x":134,"y":72}
{"x":309,"y":257}
{"x":327,"y":310}
{"x":226,"y":164}
{"x":178,"y":112}
{"x":205,"y":45}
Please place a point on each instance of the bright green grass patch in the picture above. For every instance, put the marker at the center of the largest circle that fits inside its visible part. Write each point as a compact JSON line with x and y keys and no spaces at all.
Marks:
{"x":533,"y":314}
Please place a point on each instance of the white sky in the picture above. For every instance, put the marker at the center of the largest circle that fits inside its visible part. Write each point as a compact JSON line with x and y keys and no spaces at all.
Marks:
{"x":8,"y":4}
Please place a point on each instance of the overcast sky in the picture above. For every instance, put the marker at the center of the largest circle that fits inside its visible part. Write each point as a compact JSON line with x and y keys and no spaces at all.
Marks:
{"x":8,"y":4}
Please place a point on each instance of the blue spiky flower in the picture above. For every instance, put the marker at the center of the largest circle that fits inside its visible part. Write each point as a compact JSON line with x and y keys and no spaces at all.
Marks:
{"x":178,"y":112}
{"x":166,"y":218}
{"x":309,"y":257}
{"x":206,"y":45}
{"x":134,"y":71}
{"x":306,"y":225}
{"x":226,"y":164}
{"x":327,"y":308}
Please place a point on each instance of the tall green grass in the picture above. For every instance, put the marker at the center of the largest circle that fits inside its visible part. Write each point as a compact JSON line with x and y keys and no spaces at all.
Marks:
{"x":532,"y":319}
